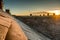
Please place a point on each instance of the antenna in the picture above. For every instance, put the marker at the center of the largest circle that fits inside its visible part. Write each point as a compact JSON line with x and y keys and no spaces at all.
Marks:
{"x":1,"y":4}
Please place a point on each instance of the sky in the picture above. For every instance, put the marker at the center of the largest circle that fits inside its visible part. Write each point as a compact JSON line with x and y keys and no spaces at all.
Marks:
{"x":27,"y":6}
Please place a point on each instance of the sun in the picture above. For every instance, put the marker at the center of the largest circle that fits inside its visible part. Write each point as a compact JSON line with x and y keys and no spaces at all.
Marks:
{"x":57,"y":12}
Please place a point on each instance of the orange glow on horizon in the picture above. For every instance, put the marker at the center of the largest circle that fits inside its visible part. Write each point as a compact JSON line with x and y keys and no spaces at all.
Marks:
{"x":57,"y":12}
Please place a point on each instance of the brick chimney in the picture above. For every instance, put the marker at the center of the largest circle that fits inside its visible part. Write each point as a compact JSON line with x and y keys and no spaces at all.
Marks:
{"x":1,"y":4}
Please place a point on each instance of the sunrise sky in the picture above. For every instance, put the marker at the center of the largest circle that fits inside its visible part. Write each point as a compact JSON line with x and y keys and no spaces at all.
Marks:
{"x":26,"y":6}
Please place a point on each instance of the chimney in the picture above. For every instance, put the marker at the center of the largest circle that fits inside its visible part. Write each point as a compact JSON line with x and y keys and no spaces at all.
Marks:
{"x":1,"y":4}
